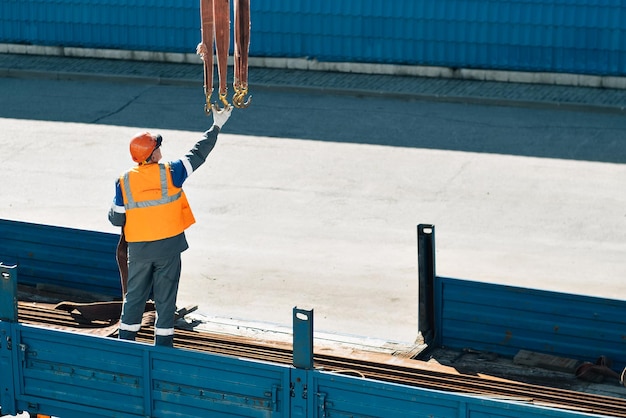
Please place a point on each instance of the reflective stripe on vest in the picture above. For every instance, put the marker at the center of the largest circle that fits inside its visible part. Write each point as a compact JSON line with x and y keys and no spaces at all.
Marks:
{"x":131,"y":204}
{"x":151,"y":212}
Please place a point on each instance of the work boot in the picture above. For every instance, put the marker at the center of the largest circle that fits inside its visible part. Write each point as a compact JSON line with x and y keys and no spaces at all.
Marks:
{"x":127,"y":335}
{"x":164,"y":340}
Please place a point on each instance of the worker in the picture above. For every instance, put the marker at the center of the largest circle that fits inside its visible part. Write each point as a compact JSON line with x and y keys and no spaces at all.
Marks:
{"x":153,"y":210}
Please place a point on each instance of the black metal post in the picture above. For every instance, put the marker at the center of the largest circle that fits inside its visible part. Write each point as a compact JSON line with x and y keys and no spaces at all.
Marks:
{"x":426,"y":272}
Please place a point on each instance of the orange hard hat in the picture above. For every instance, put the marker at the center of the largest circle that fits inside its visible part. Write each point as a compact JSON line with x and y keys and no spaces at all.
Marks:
{"x":143,"y":145}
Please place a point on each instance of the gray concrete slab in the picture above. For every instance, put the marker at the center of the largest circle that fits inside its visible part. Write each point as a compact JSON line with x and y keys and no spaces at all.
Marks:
{"x":312,"y":200}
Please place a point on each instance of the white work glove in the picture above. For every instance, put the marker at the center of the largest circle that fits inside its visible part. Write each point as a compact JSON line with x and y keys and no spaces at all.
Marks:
{"x":220,"y":116}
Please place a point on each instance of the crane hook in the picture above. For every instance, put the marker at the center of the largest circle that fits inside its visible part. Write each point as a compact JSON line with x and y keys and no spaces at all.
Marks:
{"x":239,"y":97}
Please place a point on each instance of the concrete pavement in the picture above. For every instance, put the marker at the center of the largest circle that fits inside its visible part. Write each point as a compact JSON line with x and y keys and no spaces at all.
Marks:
{"x":339,"y":236}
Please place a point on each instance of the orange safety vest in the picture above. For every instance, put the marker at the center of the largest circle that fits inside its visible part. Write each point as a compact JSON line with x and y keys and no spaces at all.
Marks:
{"x":155,"y":208}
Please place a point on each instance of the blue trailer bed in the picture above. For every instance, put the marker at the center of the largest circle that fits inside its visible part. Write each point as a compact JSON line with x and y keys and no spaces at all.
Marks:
{"x":70,"y":374}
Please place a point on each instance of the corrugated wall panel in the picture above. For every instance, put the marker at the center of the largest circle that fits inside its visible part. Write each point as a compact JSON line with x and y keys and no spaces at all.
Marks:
{"x":575,"y":36}
{"x":152,"y":25}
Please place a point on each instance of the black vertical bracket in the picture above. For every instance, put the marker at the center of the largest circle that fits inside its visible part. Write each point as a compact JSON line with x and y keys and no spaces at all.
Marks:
{"x":426,"y":272}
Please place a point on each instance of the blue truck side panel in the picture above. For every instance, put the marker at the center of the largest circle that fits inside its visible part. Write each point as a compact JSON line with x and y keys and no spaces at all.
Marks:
{"x":73,"y":375}
{"x":8,"y":361}
{"x":350,"y":397}
{"x":506,"y":319}
{"x":575,"y":36}
{"x":78,"y":375}
{"x":73,"y":258}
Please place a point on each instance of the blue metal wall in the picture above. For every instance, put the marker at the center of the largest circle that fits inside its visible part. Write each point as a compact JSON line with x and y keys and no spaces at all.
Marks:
{"x":581,"y":36}
{"x":147,"y":25}
{"x":571,"y":36}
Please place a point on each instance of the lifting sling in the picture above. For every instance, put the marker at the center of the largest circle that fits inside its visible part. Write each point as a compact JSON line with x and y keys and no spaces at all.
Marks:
{"x":205,"y":49}
{"x":215,"y":29}
{"x":242,"y":46}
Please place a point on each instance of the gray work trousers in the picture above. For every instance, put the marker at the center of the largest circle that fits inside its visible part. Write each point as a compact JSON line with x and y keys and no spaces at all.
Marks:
{"x":162,"y":277}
